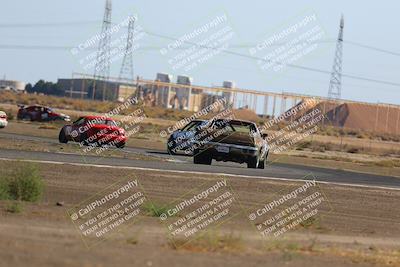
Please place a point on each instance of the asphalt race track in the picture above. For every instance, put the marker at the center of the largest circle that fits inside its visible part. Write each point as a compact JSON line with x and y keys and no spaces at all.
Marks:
{"x":184,"y":164}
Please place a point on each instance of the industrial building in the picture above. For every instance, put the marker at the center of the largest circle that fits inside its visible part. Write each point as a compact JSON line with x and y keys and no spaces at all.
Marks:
{"x":85,"y":87}
{"x":16,"y":86}
{"x":182,"y":94}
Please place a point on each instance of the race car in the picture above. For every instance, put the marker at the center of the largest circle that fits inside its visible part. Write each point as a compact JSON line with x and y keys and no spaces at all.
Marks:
{"x":181,"y":140}
{"x":94,"y":130}
{"x":3,"y":119}
{"x":231,"y":140}
{"x":40,"y":113}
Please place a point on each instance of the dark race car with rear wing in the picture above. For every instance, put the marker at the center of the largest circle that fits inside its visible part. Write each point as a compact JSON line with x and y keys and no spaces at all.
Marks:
{"x":231,"y":140}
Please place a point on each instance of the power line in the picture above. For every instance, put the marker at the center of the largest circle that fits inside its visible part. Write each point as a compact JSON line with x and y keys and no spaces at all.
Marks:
{"x":280,"y":63}
{"x":373,"y":48}
{"x":41,"y":47}
{"x":54,"y":24}
{"x":35,"y":47}
{"x":350,"y":76}
{"x":80,"y":23}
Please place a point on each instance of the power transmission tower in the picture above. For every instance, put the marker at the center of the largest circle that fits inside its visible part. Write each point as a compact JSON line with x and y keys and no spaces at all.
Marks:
{"x":335,"y":85}
{"x":102,"y":66}
{"x":126,"y":72}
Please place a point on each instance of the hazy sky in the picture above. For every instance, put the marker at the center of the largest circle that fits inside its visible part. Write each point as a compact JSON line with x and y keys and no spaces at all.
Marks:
{"x":37,"y":37}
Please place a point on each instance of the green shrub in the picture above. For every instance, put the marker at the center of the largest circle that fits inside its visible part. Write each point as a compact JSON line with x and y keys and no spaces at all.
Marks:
{"x":155,"y":209}
{"x":4,"y":189}
{"x":22,"y":183}
{"x":15,"y":207}
{"x":211,"y":241}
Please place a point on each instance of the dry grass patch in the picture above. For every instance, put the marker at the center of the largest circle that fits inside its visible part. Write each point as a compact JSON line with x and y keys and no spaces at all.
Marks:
{"x":211,"y":241}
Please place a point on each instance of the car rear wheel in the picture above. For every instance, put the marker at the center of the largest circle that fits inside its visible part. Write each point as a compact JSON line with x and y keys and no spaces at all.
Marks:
{"x":252,"y":162}
{"x":120,"y":145}
{"x":27,"y":117}
{"x":61,"y":137}
{"x":202,"y":158}
{"x":83,"y":139}
{"x":261,"y":163}
{"x":171,"y":148}
{"x":171,"y":151}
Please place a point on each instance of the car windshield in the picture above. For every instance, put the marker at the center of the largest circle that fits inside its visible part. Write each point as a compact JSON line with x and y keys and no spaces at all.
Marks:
{"x":235,"y":126}
{"x":191,"y":125}
{"x":103,"y":122}
{"x":79,"y":121}
{"x":111,"y":123}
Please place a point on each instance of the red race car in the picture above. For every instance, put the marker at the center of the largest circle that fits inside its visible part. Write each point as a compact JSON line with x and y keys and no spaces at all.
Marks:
{"x":39,"y":113}
{"x":96,"y":130}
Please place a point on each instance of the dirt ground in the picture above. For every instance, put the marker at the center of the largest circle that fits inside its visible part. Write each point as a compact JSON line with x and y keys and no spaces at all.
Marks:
{"x":361,"y":227}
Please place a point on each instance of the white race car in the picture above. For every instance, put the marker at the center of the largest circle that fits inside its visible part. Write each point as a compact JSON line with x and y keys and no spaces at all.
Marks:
{"x":3,"y":119}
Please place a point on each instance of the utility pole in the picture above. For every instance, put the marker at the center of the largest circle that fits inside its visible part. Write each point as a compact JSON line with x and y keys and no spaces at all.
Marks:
{"x":335,"y":85}
{"x":102,"y":66}
{"x":126,"y":71}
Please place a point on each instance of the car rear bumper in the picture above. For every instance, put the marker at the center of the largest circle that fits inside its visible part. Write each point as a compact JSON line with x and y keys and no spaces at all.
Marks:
{"x":3,"y":123}
{"x":229,"y":152}
{"x":111,"y":138}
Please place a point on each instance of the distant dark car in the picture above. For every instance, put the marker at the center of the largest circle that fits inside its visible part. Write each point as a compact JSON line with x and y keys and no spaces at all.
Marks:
{"x":40,"y":113}
{"x":232,"y":140}
{"x":94,"y":130}
{"x":182,"y":140}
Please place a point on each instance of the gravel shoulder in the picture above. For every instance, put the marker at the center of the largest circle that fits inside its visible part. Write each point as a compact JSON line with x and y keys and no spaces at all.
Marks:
{"x":360,"y":230}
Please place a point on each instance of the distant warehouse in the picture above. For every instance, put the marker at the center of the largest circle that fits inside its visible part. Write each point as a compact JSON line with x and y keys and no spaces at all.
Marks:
{"x":16,"y":86}
{"x":161,"y":92}
{"x":89,"y":88}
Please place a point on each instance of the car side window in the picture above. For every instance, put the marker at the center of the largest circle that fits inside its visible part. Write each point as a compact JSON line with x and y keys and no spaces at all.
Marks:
{"x":111,"y":123}
{"x":254,"y":130}
{"x":190,"y":126}
{"x":79,"y":121}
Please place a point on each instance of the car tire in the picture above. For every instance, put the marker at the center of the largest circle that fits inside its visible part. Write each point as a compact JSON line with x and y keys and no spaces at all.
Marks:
{"x":62,"y":137}
{"x":26,"y":117}
{"x":171,"y":152}
{"x":83,"y":139}
{"x":202,"y":158}
{"x":252,"y":162}
{"x":171,"y":149}
{"x":120,"y":145}
{"x":261,"y":163}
